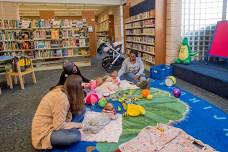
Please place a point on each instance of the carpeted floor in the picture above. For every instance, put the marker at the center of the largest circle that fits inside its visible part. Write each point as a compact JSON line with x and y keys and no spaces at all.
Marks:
{"x":17,"y":107}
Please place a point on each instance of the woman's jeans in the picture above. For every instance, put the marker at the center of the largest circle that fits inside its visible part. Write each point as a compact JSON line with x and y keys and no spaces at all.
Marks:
{"x":65,"y":137}
{"x":131,"y":77}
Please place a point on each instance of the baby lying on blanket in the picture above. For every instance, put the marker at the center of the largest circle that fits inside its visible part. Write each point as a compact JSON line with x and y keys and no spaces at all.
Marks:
{"x":95,"y":125}
{"x":113,"y":77}
{"x":108,"y":84}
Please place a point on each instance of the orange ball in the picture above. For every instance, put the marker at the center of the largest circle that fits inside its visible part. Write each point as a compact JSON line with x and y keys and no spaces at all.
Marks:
{"x":145,"y":93}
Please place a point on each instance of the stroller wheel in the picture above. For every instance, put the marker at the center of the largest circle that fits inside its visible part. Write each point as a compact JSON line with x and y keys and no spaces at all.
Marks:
{"x":108,"y":67}
{"x":107,"y":64}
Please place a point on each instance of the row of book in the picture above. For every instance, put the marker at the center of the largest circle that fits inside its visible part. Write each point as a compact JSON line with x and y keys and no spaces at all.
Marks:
{"x":141,"y":24}
{"x":141,"y":16}
{"x":141,"y":47}
{"x":39,"y":54}
{"x":146,"y":31}
{"x":28,"y":45}
{"x":13,"y":24}
{"x":40,"y":34}
{"x":11,"y":45}
{"x":146,"y":57}
{"x":144,"y":39}
{"x":149,"y":31}
{"x":103,"y":27}
{"x":67,"y":33}
{"x":57,"y":53}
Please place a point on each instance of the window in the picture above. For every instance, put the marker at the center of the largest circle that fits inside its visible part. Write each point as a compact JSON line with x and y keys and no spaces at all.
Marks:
{"x":199,"y":18}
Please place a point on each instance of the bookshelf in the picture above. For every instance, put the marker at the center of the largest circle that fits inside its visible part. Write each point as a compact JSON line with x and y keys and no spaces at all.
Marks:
{"x":44,"y":40}
{"x":145,"y":33}
{"x":140,"y":35}
{"x":105,"y":27}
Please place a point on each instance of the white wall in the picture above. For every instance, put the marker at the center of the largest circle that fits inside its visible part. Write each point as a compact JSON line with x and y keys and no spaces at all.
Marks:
{"x":173,"y":29}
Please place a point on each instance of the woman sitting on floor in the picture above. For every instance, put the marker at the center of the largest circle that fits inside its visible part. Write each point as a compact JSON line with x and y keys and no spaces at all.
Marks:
{"x":52,"y":124}
{"x":132,"y":70}
{"x":70,"y":68}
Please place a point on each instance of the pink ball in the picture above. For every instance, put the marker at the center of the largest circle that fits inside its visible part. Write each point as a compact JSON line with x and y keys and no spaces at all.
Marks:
{"x":176,"y":92}
{"x":91,"y":99}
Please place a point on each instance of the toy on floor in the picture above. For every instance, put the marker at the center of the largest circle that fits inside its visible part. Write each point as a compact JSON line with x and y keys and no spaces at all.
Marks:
{"x":91,"y":99}
{"x":176,"y":92}
{"x":127,"y":100}
{"x":119,"y":109}
{"x":110,"y":110}
{"x":134,"y":110}
{"x":185,"y":54}
{"x":106,"y":94}
{"x":102,"y":102}
{"x":170,"y":81}
{"x":146,"y":94}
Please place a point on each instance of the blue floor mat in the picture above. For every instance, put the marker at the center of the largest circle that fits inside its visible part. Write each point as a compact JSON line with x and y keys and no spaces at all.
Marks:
{"x":204,"y":122}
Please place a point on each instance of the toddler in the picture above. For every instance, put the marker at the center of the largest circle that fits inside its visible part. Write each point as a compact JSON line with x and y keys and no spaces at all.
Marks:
{"x":113,"y":77}
{"x":95,"y":125}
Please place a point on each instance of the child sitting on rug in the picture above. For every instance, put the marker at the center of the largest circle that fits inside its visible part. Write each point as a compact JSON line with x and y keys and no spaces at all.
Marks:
{"x":113,"y":77}
{"x":95,"y":125}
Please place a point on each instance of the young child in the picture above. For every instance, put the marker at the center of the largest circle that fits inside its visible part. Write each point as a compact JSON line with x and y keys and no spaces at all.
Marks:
{"x":109,"y":110}
{"x":113,"y":77}
{"x":95,"y":125}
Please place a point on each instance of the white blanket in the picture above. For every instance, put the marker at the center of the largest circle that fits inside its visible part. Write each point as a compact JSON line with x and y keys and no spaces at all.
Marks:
{"x":110,"y":87}
{"x":110,"y":133}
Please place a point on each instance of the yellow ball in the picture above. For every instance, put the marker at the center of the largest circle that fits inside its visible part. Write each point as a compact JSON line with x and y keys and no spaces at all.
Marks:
{"x":149,"y":97}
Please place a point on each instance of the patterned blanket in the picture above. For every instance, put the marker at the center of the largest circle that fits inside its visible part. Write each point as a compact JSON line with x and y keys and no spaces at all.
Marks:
{"x":163,"y":138}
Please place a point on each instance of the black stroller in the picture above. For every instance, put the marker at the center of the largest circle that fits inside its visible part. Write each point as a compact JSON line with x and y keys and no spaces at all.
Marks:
{"x":114,"y":59}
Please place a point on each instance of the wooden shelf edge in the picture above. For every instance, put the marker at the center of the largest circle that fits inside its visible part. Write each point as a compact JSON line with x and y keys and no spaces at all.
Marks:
{"x":151,"y":53}
{"x":140,"y":20}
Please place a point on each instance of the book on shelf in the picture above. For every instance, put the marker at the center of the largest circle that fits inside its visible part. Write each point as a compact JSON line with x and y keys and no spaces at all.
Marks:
{"x":71,"y":43}
{"x":140,"y":39}
{"x":54,"y":34}
{"x":141,"y":47}
{"x":50,"y":42}
{"x":143,"y":31}
{"x":39,"y":34}
{"x":1,"y":23}
{"x":141,"y":16}
{"x":24,"y":24}
{"x":56,"y":23}
{"x":82,"y":42}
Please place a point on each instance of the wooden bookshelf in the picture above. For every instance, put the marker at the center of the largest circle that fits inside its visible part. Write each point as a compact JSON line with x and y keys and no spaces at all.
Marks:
{"x":105,"y":27}
{"x":44,"y":39}
{"x":145,"y":33}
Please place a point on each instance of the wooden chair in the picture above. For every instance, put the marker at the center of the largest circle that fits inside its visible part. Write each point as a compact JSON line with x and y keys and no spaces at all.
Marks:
{"x":20,"y":75}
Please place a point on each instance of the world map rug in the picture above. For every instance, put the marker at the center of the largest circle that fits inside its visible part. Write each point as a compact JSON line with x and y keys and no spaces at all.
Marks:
{"x":195,"y":116}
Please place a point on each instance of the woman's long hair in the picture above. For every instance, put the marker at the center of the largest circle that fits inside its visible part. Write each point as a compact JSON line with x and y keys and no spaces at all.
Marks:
{"x":73,"y":89}
{"x":68,"y":70}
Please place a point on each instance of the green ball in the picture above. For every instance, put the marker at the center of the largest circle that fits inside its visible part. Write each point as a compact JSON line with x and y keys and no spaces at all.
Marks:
{"x":102,"y":102}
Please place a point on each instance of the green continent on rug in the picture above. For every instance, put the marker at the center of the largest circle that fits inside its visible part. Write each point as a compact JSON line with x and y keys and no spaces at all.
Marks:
{"x":163,"y":108}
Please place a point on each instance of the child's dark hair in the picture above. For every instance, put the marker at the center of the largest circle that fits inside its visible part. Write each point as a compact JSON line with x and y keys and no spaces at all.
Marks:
{"x":134,"y":52}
